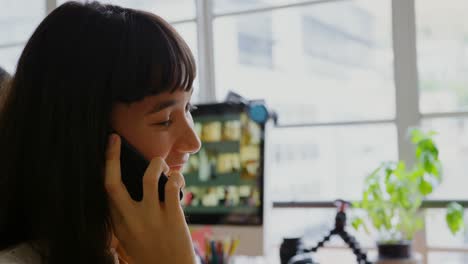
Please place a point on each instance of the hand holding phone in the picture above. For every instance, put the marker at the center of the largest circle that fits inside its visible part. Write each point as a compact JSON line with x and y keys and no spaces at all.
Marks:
{"x":149,"y":231}
{"x":133,"y":166}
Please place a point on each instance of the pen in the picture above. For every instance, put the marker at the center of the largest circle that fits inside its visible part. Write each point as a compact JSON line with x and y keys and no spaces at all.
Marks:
{"x":197,"y":252}
{"x":219,"y":250}
{"x":226,"y":245}
{"x":207,"y":250}
{"x":214,"y":257}
{"x":234,"y":245}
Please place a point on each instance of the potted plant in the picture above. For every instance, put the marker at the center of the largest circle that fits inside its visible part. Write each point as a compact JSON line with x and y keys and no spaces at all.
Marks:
{"x":393,"y":195}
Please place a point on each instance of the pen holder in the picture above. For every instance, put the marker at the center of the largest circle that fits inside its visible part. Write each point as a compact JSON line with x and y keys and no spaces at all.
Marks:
{"x":224,"y":260}
{"x":218,"y":251}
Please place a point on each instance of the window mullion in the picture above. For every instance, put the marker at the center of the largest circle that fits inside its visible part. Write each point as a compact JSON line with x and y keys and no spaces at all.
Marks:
{"x":406,"y":88}
{"x":50,"y":5}
{"x":405,"y":73}
{"x":205,"y":50}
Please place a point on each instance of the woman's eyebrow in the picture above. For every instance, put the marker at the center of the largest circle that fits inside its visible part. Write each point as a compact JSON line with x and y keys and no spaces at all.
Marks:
{"x":161,"y":106}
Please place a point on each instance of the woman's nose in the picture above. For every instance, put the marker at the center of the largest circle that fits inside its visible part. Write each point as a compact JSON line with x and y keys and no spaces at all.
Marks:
{"x":189,"y":142}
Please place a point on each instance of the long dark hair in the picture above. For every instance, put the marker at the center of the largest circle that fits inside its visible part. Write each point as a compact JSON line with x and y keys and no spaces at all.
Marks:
{"x":54,"y":124}
{"x":4,"y":80}
{"x":4,"y":76}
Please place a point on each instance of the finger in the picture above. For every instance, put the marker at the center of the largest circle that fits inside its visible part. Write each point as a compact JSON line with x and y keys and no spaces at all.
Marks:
{"x":172,"y":190}
{"x":116,"y":218}
{"x":113,"y":178}
{"x":150,"y":181}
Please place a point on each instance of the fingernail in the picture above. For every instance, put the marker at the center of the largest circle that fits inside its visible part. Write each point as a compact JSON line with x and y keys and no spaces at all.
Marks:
{"x":111,"y":139}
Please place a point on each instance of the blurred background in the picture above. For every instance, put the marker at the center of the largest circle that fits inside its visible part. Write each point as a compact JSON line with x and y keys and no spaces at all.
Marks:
{"x":347,"y":79}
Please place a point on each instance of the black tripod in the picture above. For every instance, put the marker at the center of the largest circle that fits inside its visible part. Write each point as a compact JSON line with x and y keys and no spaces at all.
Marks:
{"x":340,"y":224}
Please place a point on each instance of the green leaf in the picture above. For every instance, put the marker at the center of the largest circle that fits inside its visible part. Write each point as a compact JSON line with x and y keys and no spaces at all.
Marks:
{"x":437,"y":171}
{"x":454,"y":217}
{"x":425,"y":186}
{"x":400,"y":170}
{"x":416,"y":135}
{"x":356,"y":204}
{"x":357,"y":222}
{"x":417,"y":173}
{"x":365,"y":200}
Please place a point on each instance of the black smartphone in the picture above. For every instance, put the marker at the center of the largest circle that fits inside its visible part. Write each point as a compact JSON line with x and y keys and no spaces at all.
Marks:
{"x":133,"y":166}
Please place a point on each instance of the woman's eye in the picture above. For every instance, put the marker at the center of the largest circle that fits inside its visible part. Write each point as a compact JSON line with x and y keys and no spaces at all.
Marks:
{"x":190,"y":108}
{"x":164,"y":124}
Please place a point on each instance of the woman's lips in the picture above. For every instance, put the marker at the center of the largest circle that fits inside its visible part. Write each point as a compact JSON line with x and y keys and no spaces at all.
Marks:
{"x":176,"y":167}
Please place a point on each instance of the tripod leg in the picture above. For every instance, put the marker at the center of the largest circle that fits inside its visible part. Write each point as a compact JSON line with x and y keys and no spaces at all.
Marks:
{"x":361,"y":257}
{"x":322,"y":242}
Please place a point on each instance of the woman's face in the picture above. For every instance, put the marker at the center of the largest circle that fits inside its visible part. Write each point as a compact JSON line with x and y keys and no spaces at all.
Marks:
{"x":159,"y":126}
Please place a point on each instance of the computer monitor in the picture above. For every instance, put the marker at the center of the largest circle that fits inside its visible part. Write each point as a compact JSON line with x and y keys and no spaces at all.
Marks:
{"x":224,"y":180}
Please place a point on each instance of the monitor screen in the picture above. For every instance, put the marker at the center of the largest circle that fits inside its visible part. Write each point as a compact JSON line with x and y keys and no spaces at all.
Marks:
{"x":224,"y":180}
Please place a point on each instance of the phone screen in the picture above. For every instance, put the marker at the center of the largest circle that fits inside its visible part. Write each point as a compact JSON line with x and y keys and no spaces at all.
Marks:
{"x":133,"y":166}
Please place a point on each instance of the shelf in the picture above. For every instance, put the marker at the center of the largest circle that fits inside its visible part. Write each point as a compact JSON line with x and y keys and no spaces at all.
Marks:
{"x":191,"y":179}
{"x":220,"y":209}
{"x":216,"y":118}
{"x":222,"y":146}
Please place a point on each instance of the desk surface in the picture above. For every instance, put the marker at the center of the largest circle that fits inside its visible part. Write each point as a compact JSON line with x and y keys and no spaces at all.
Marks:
{"x":255,"y":260}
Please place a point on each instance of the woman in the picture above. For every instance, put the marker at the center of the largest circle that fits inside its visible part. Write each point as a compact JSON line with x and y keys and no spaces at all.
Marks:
{"x":86,"y":70}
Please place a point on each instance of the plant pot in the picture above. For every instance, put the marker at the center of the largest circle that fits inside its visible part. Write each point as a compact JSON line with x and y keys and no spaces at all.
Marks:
{"x":399,"y":250}
{"x":397,"y":253}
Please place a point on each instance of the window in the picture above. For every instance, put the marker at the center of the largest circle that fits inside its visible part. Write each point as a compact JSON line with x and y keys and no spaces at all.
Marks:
{"x":254,"y":40}
{"x":441,"y":242}
{"x":334,"y":87}
{"x":9,"y":57}
{"x":170,"y":10}
{"x":328,"y":68}
{"x":442,"y":56}
{"x":452,"y":140}
{"x":229,"y":6}
{"x":18,"y":19}
{"x":326,"y":38}
{"x":331,"y":61}
{"x":442,"y":38}
{"x":188,"y":31}
{"x":326,"y":163}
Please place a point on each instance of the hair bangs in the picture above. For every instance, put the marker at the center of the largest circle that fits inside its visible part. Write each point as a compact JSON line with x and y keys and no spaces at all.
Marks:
{"x":153,"y":59}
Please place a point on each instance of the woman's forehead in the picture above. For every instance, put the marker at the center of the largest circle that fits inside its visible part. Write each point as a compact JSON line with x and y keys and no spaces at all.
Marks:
{"x":157,"y":102}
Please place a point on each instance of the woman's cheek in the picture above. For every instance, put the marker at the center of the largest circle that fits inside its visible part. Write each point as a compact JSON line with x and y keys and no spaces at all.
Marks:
{"x":160,"y":145}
